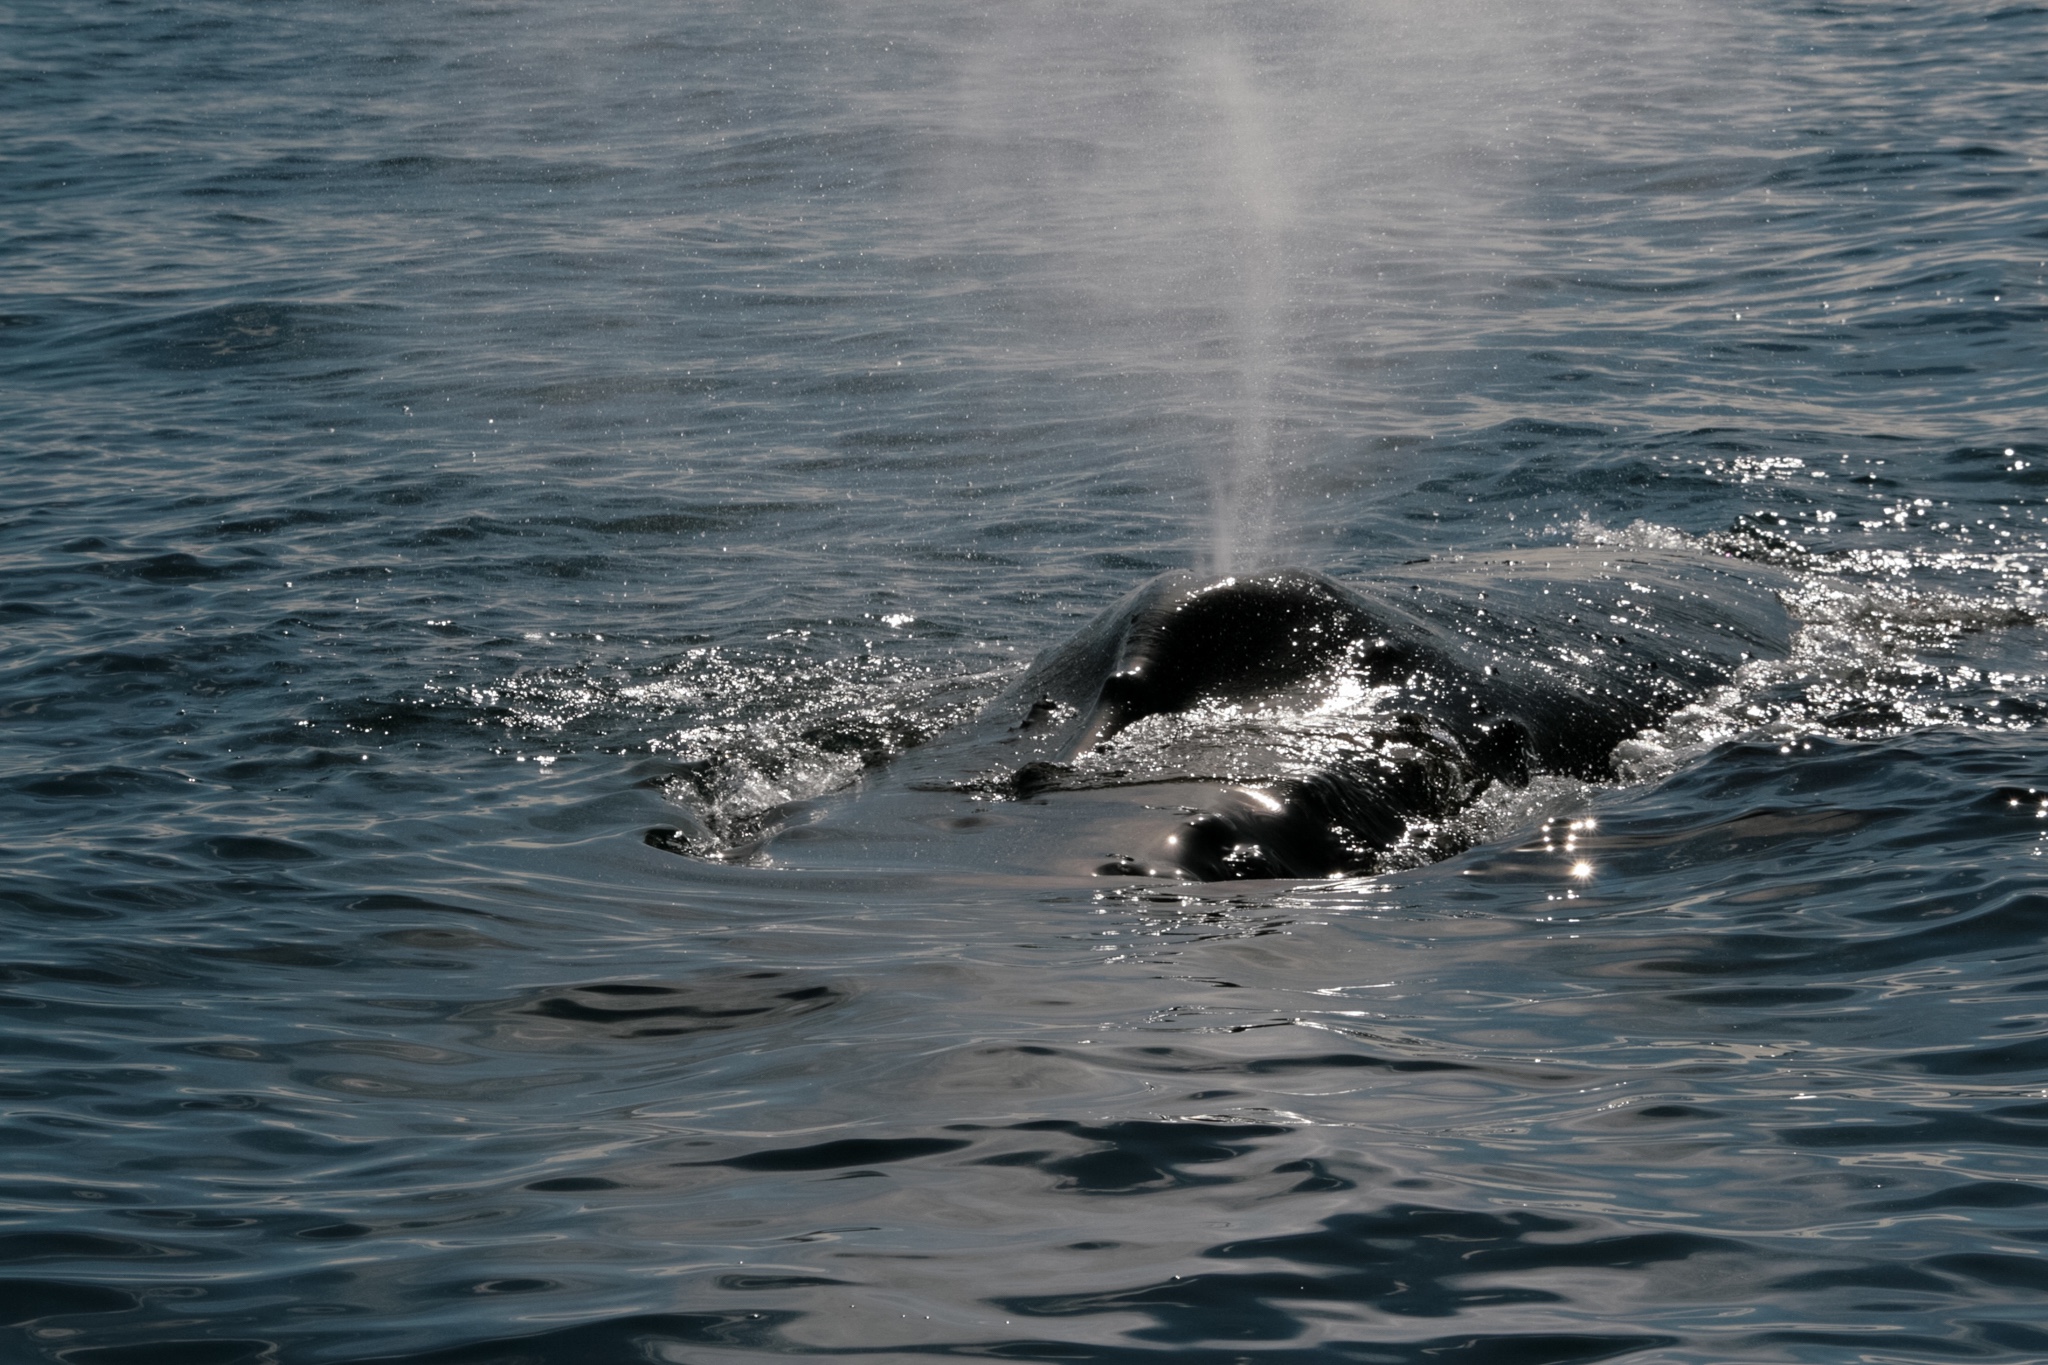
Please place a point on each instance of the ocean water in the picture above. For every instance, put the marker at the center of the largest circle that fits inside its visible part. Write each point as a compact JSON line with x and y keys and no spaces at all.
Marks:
{"x":444,"y":443}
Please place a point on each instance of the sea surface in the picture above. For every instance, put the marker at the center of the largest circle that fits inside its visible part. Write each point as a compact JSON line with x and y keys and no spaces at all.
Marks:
{"x":444,"y":442}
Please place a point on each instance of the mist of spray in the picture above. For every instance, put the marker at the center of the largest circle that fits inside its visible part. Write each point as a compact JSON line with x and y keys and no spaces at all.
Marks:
{"x":1216,"y":214}
{"x":1252,"y":206}
{"x":1131,"y":169}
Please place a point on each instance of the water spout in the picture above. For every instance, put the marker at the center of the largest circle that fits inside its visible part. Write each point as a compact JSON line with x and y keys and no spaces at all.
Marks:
{"x":1252,"y":206}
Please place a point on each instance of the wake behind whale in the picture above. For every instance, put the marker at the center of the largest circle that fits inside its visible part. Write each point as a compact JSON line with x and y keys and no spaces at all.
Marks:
{"x":1284,"y":725}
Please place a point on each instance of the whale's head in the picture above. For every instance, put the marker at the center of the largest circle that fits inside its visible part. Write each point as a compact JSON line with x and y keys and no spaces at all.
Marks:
{"x":1243,"y":727}
{"x":1280,"y":724}
{"x":1182,"y":641}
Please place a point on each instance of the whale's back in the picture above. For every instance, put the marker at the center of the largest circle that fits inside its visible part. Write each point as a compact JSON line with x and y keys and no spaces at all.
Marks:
{"x":1285,"y":725}
{"x":1580,"y":647}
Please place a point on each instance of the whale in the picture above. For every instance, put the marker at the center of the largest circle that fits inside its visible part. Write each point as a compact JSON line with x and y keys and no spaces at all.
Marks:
{"x":1284,"y":725}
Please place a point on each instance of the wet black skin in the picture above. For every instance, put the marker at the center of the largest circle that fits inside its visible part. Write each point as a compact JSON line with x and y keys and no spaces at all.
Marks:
{"x":1490,"y":671}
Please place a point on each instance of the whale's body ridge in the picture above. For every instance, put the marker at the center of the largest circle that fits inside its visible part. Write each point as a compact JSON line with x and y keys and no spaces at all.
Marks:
{"x":1282,"y":724}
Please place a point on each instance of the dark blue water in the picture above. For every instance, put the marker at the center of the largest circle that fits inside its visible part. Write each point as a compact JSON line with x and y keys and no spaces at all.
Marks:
{"x":444,"y":442}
